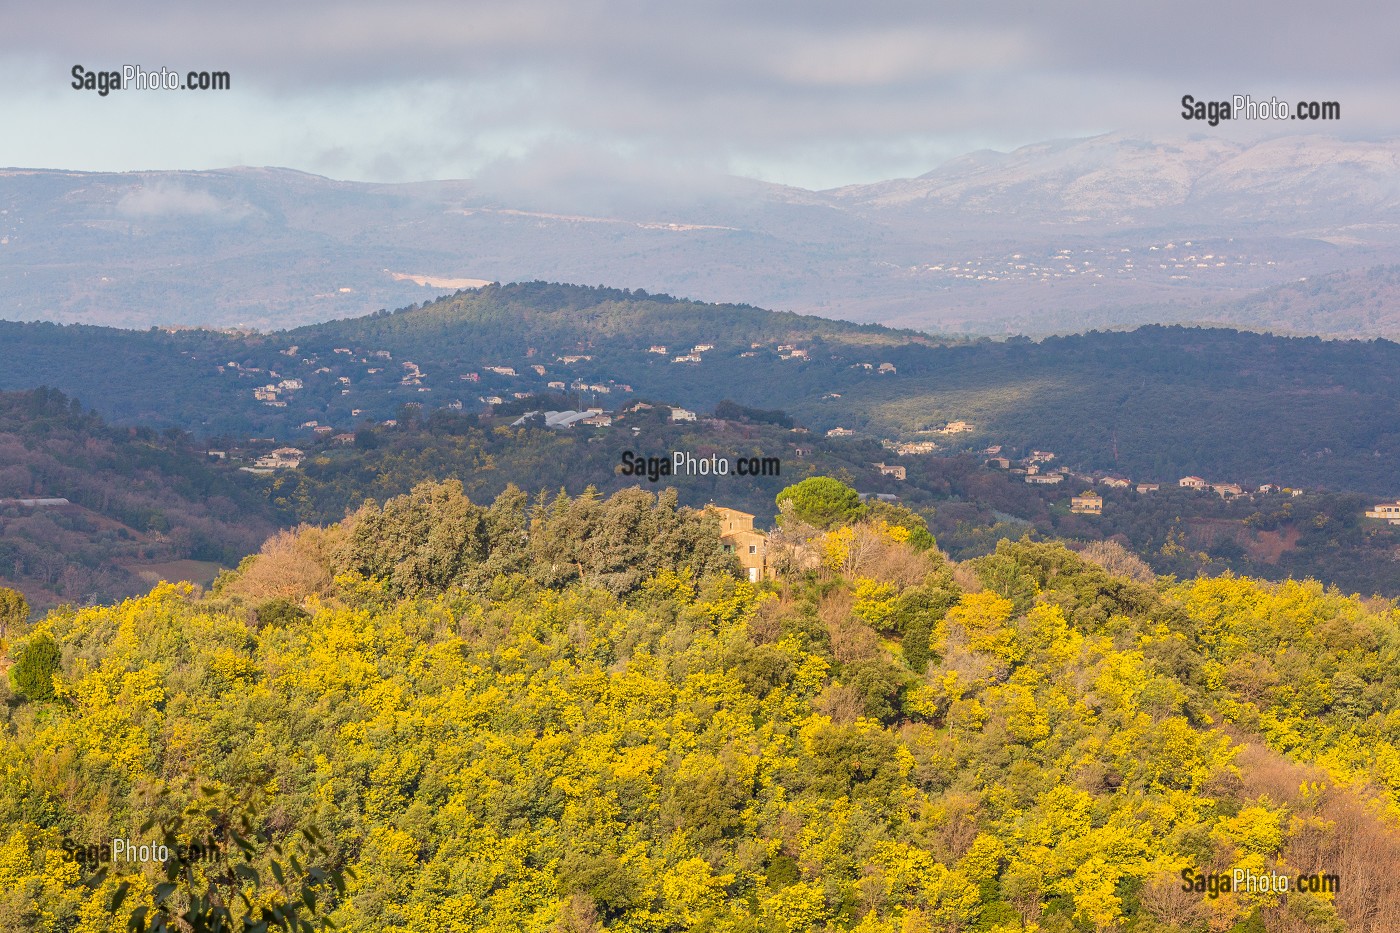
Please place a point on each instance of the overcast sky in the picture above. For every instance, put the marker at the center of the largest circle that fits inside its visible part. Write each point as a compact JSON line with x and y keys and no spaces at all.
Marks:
{"x":812,"y":93}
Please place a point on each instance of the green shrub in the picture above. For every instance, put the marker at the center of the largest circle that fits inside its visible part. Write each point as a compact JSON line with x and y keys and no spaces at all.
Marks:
{"x":279,"y":612}
{"x":35,"y":665}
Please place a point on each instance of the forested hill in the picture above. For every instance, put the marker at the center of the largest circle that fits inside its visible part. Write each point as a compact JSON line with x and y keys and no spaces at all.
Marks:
{"x":1156,"y":404}
{"x":569,"y":715}
{"x":141,"y":506}
{"x":507,"y":319}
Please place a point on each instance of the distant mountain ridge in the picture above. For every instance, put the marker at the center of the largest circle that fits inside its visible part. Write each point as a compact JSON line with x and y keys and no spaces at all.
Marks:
{"x":1122,"y":179}
{"x":1113,"y":231}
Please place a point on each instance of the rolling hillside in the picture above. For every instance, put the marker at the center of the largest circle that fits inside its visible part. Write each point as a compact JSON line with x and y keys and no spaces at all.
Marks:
{"x":1157,"y":403}
{"x":138,"y":506}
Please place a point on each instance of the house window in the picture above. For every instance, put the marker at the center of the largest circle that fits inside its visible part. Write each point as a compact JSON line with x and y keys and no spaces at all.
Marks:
{"x":753,"y":548}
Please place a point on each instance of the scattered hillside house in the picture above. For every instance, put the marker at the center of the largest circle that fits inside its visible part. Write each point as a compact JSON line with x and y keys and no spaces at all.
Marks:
{"x":343,"y":439}
{"x":470,"y":377}
{"x":382,"y":355}
{"x":1045,"y":479}
{"x":641,"y":406}
{"x":657,"y":348}
{"x":522,"y":394}
{"x":501,"y":370}
{"x":265,"y":393}
{"x":887,"y":368}
{"x":682,"y":414}
{"x":1042,"y":456}
{"x":887,"y":469}
{"x":784,"y":347}
{"x":1228,"y":490}
{"x":1114,"y":482}
{"x":455,"y":404}
{"x":310,"y":424}
{"x":794,"y":355}
{"x":283,"y":458}
{"x":915,"y":447}
{"x":494,"y":400}
{"x":323,"y":429}
{"x":702,"y":348}
{"x":539,"y":370}
{"x":597,"y":387}
{"x":956,"y":427}
{"x":290,"y":385}
{"x":687,"y":358}
{"x":597,"y":419}
{"x":566,"y":360}
{"x":216,"y":454}
{"x":556,"y":385}
{"x":343,"y":380}
{"x":840,"y":432}
{"x":993,"y":450}
{"x":345,"y":350}
{"x":1148,"y":487}
{"x":738,"y":536}
{"x":1000,"y":463}
{"x":1090,"y":503}
{"x":1387,"y":512}
{"x":862,"y":366}
{"x":1192,"y":482}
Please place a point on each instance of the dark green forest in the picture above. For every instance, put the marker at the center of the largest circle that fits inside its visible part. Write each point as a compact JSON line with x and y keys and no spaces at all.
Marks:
{"x":969,"y":506}
{"x":143,"y":502}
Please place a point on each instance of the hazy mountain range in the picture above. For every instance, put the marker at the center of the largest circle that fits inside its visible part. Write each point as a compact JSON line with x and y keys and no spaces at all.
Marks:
{"x":1111,"y":231}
